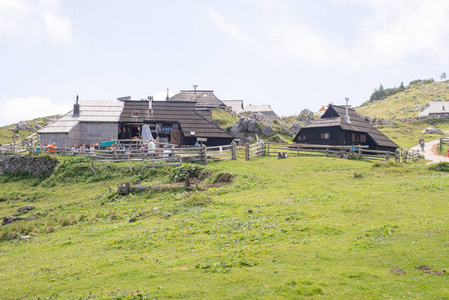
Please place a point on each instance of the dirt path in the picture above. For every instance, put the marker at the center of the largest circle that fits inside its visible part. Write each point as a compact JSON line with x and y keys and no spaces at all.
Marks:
{"x":431,"y":152}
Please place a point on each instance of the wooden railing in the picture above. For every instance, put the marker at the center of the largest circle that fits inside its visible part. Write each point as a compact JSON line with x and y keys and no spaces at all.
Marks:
{"x":165,"y":154}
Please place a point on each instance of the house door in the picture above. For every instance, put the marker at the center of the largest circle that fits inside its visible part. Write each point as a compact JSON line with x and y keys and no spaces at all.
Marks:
{"x":135,"y":131}
{"x":175,"y":137}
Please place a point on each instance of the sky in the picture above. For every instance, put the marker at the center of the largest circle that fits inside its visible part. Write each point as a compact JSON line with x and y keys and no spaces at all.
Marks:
{"x":290,"y":54}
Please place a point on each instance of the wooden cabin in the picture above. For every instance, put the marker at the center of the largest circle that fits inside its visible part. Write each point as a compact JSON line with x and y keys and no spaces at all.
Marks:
{"x":181,"y":123}
{"x":176,"y":122}
{"x":341,"y":126}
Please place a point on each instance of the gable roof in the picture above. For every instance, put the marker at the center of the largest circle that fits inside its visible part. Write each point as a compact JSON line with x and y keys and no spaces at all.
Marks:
{"x":188,"y":117}
{"x":90,"y":111}
{"x":135,"y":111}
{"x":335,"y":116}
{"x":203,"y":98}
{"x":435,"y":108}
{"x":235,"y":105}
{"x":265,"y":109}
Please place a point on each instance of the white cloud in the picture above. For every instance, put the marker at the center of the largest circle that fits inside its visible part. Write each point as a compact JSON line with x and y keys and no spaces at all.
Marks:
{"x":34,"y":18}
{"x":21,"y":109}
{"x":389,"y":32}
{"x":400,"y":29}
{"x":227,"y":27}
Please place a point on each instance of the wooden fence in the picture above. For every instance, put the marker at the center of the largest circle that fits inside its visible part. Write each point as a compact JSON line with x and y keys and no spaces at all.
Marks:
{"x":443,"y":142}
{"x":356,"y":151}
{"x":169,"y":155}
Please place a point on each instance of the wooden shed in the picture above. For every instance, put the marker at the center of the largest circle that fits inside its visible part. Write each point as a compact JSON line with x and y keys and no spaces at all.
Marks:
{"x":343,"y":126}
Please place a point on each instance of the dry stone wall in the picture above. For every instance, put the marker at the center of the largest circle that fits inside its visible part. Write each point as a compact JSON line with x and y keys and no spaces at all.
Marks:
{"x":37,"y":166}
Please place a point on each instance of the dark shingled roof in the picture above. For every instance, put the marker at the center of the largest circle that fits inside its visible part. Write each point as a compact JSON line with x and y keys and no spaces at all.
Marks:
{"x":135,"y":111}
{"x":202,"y":98}
{"x":188,"y":117}
{"x":335,"y":116}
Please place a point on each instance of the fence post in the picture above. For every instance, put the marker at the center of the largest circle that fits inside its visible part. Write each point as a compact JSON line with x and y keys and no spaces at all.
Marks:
{"x":327,"y":151}
{"x":268,"y":149}
{"x":441,"y":144}
{"x":360,"y":152}
{"x":234,"y":150}
{"x":204,"y":154}
{"x":387,"y":157}
{"x":247,"y":152}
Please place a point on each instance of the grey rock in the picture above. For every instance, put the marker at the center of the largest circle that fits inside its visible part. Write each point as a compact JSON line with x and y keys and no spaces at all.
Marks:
{"x":433,"y":130}
{"x":245,"y":124}
{"x":295,"y":127}
{"x":252,"y":126}
{"x":24,"y":237}
{"x":25,"y":208}
{"x":167,"y":215}
{"x":236,"y":129}
{"x":267,"y":130}
{"x":260,"y":115}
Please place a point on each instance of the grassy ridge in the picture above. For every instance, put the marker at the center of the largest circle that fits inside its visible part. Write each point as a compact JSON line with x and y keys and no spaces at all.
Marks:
{"x":321,"y":227}
{"x":403,"y":104}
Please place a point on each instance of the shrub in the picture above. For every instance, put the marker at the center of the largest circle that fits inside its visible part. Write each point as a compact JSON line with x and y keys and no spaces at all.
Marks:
{"x":180,"y":173}
{"x":440,"y":167}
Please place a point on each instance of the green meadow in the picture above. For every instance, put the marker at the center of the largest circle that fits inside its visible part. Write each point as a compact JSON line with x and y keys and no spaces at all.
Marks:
{"x":317,"y":227}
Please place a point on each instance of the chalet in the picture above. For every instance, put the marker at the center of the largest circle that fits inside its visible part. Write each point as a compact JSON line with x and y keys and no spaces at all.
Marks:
{"x":264,"y":109}
{"x":436,"y":110}
{"x":88,"y":122}
{"x":176,"y":122}
{"x":181,"y":123}
{"x":202,"y":98}
{"x":343,"y":126}
{"x":235,"y":105}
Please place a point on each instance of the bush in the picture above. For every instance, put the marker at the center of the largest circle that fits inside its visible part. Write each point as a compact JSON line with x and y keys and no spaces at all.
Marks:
{"x":180,"y":173}
{"x":440,"y":167}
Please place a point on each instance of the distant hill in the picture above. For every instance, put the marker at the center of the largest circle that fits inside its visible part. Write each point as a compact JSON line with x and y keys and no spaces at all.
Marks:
{"x":23,"y":129}
{"x":406,"y":102}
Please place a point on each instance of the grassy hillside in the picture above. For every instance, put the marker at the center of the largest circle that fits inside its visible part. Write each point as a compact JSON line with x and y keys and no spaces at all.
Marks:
{"x":403,"y":104}
{"x":306,"y":226}
{"x":8,"y":132}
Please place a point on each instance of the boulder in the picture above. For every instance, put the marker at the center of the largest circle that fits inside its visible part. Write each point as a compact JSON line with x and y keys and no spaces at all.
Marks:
{"x":433,"y":130}
{"x":236,"y":129}
{"x":295,"y":127}
{"x":252,"y":126}
{"x":267,"y":130}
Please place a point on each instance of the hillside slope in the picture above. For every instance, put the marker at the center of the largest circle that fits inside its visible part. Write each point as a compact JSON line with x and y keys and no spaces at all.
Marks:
{"x":407,"y":103}
{"x":316,"y":227}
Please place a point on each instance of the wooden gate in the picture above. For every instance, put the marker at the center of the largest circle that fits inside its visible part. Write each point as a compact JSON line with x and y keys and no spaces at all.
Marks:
{"x":175,"y":137}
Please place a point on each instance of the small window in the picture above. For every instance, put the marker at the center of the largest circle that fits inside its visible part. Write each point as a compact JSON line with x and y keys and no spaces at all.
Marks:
{"x":325,"y":136}
{"x":301,"y":137}
{"x":358,"y":138}
{"x":135,"y":114}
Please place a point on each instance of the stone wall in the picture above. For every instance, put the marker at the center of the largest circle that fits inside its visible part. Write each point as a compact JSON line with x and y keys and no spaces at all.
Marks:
{"x":37,"y":166}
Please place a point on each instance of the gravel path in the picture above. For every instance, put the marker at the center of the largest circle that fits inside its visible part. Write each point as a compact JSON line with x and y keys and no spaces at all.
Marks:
{"x":431,"y":153}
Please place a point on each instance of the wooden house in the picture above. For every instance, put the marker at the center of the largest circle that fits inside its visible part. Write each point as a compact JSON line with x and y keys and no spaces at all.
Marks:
{"x":133,"y":116}
{"x":343,"y":126}
{"x":177,"y":122}
{"x":202,"y":98}
{"x":436,"y":110}
{"x":88,"y":122}
{"x":264,"y":109}
{"x":181,"y":123}
{"x":235,"y":105}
